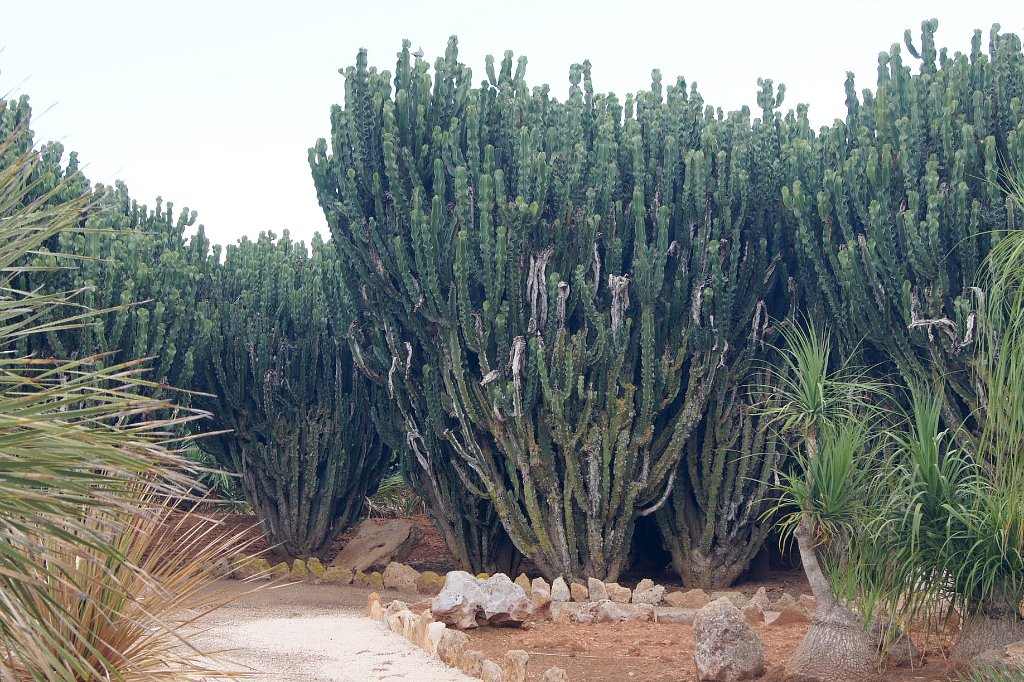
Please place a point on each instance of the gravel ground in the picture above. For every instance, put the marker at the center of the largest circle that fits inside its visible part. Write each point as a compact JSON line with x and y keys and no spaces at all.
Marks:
{"x":313,"y":633}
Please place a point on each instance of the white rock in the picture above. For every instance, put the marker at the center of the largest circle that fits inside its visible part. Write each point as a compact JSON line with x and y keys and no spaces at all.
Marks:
{"x":560,"y":591}
{"x":596,"y":589}
{"x":647,"y":592}
{"x":467,"y":602}
{"x":725,"y":646}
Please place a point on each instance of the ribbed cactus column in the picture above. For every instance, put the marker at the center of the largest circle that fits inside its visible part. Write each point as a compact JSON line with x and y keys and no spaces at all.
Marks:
{"x":289,"y":412}
{"x":137,"y":264}
{"x":894,"y":209}
{"x":566,"y":280}
{"x":133,"y":262}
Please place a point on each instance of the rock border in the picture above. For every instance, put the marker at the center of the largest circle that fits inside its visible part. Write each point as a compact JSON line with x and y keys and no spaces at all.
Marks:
{"x":450,"y":646}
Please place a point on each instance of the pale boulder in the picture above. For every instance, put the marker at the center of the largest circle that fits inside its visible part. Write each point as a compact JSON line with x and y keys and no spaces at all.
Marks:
{"x":607,"y":611}
{"x":690,"y":599}
{"x":491,"y":672}
{"x":467,"y":602}
{"x":579,"y":592}
{"x":472,"y":662}
{"x":540,"y":595}
{"x":560,"y":591}
{"x":377,"y":543}
{"x":647,"y":592}
{"x":554,"y":675}
{"x":725,"y":647}
{"x":618,"y":594}
{"x":451,"y":645}
{"x":514,"y":665}
{"x":400,"y":577}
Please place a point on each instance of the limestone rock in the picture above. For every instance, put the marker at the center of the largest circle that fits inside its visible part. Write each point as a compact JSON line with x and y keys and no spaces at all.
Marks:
{"x":429,"y":583}
{"x":753,"y":612}
{"x":394,"y":606}
{"x":451,"y":645}
{"x":467,"y":602}
{"x":250,"y":567}
{"x":674,"y":614}
{"x":432,"y":636}
{"x":579,"y":592}
{"x":761,"y":599}
{"x":418,"y":629}
{"x":596,"y":590}
{"x":524,"y":583}
{"x":560,"y":591}
{"x":554,"y":675}
{"x":540,"y":595}
{"x":336,"y":575}
{"x":491,"y":672}
{"x":619,"y":594}
{"x":794,"y":613}
{"x":647,"y":592}
{"x":540,"y":601}
{"x":316,"y":570}
{"x":374,"y":608}
{"x":279,"y":571}
{"x":809,"y":602}
{"x":514,"y":665}
{"x":299,"y":570}
{"x":400,"y":577}
{"x":400,"y":622}
{"x":725,"y":647}
{"x":784,"y":600}
{"x":471,"y":662}
{"x":690,"y":599}
{"x":378,"y":542}
{"x":483,"y":576}
{"x":735,"y":598}
{"x":375,"y":579}
{"x":607,"y":611}
{"x":641,"y":613}
{"x":644,"y":585}
{"x":570,"y":612}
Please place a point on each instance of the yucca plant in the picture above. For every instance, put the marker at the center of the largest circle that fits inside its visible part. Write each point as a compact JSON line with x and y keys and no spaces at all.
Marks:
{"x":395,"y":498}
{"x":87,"y":590}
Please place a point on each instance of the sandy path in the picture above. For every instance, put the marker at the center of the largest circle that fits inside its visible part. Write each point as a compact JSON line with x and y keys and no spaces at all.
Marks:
{"x":315,"y":633}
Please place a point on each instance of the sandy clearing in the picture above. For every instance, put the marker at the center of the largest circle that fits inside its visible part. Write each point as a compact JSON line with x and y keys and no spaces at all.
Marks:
{"x":315,"y":633}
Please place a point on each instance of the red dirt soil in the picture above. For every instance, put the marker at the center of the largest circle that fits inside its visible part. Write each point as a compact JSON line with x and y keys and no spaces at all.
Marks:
{"x":649,"y":652}
{"x":612,"y":652}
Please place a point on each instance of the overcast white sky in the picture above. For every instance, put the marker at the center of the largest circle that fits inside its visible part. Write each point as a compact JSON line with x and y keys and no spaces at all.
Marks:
{"x":214,"y":104}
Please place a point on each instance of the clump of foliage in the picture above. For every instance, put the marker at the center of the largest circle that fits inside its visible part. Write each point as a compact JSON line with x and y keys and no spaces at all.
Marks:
{"x":88,"y":590}
{"x":395,"y":498}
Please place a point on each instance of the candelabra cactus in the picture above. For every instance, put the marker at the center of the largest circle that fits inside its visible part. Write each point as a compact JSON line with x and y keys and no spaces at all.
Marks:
{"x":289,"y":412}
{"x":132,"y":263}
{"x":894,"y":210}
{"x":565,"y":281}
